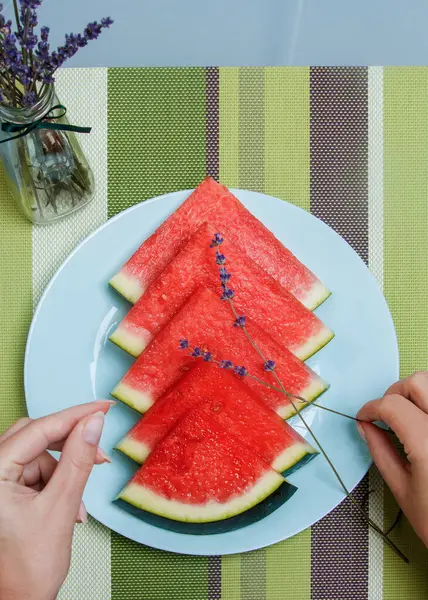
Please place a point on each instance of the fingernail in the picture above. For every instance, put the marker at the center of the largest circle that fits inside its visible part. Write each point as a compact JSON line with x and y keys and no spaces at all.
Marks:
{"x":105,"y":457}
{"x":112,"y":402}
{"x":109,"y":402}
{"x":82,"y":515}
{"x":93,"y":428}
{"x":361,"y":431}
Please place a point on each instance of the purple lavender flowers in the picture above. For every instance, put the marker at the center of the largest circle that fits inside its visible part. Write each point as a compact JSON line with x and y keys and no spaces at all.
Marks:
{"x":220,"y":258}
{"x":240,"y":321}
{"x":226,"y":364}
{"x":227,"y":293}
{"x":197,"y":352}
{"x":241,"y":371}
{"x":27,"y":63}
{"x":269,"y":365}
{"x":217,"y":240}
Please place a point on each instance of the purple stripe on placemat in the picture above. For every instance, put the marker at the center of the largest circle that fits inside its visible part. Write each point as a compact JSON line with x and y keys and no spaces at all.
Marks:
{"x":339,"y":196}
{"x":212,"y":158}
{"x":339,"y":151}
{"x":214,"y":578}
{"x":212,"y":123}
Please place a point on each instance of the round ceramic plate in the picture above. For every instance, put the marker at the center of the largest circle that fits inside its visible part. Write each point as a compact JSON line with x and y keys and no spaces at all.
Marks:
{"x":69,"y":360}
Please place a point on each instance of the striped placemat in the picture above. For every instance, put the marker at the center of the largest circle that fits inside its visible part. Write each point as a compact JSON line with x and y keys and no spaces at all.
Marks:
{"x":348,"y":144}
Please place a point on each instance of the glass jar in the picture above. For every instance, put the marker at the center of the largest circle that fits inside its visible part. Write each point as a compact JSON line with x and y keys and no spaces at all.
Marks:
{"x":46,"y":169}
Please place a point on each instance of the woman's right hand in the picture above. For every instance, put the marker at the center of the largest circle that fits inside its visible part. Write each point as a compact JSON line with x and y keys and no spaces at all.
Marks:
{"x":404,"y":408}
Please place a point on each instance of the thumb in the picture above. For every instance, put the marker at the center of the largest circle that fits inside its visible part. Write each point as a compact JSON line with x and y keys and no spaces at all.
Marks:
{"x":75,"y":465}
{"x":393,"y":468}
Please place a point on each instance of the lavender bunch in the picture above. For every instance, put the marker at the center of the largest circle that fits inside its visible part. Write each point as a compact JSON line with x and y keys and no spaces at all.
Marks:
{"x":269,"y":366}
{"x":27,"y":62}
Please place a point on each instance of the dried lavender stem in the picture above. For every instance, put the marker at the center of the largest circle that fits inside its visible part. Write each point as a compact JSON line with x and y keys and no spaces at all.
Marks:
{"x":347,"y":492}
{"x":323,"y":452}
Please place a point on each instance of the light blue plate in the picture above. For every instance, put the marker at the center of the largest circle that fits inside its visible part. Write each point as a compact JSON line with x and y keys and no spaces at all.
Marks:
{"x":69,"y":360}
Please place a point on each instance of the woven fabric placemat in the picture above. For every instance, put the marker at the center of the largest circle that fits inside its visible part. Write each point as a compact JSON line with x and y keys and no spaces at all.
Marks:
{"x":348,"y":144}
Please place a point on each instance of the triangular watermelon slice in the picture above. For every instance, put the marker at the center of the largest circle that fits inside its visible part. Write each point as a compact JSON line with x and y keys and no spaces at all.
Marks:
{"x":201,"y":473}
{"x":287,"y":320}
{"x":213,"y":202}
{"x":231,"y":404}
{"x":207,"y":322}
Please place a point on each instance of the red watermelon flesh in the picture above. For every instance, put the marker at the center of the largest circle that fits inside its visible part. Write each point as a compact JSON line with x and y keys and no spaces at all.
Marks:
{"x":207,"y":322}
{"x":257,"y":295}
{"x":201,"y":473}
{"x":230,"y":403}
{"x":212,"y":201}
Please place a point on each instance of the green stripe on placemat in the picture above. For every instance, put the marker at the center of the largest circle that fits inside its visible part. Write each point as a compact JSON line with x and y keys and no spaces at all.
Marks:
{"x":270,"y":105}
{"x":156,"y":135}
{"x":251,"y":176}
{"x":287,"y":144}
{"x":287,"y":176}
{"x":156,"y":145}
{"x":263,"y":120}
{"x":406,"y":276}
{"x":16,"y":304}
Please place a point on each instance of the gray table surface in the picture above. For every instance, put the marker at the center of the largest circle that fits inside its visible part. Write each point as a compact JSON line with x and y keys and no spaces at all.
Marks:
{"x":246,"y":32}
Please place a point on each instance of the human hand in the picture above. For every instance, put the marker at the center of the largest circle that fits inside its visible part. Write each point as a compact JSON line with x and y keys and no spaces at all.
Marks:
{"x":405,"y":409}
{"x":41,"y":499}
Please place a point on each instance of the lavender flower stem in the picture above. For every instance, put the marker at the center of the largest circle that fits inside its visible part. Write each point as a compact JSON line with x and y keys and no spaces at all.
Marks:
{"x":345,"y":489}
{"x":15,"y":8}
{"x":365,"y":516}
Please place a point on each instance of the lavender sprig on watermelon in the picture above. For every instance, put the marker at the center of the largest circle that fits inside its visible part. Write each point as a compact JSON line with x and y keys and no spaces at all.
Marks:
{"x":240,"y":321}
{"x":269,"y":366}
{"x":282,"y":315}
{"x":240,"y":370}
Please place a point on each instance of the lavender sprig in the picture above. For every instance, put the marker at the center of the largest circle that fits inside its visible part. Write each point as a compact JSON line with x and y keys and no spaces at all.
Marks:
{"x":196,"y":352}
{"x":269,"y":365}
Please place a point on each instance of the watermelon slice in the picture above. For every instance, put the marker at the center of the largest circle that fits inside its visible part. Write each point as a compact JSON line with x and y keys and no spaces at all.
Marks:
{"x":213,"y":202}
{"x":287,"y":320}
{"x":231,"y":404}
{"x":201,"y":473}
{"x":207,"y":322}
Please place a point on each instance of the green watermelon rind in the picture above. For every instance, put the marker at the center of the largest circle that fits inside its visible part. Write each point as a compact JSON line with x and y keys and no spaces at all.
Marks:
{"x":142,"y":401}
{"x":138,"y":451}
{"x":130,"y":288}
{"x":127,"y":285}
{"x":145,"y":499}
{"x":135,"y":344}
{"x":139,"y":401}
{"x":319,"y":294}
{"x":245,"y":519}
{"x":132,"y":344}
{"x":301,"y":463}
{"x":286,"y":463}
{"x":314,"y":344}
{"x":311,"y":393}
{"x":293,"y":458}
